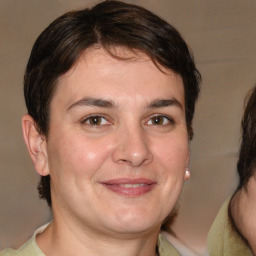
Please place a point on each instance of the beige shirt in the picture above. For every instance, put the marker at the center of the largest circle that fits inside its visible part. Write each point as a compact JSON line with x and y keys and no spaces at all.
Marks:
{"x":30,"y":248}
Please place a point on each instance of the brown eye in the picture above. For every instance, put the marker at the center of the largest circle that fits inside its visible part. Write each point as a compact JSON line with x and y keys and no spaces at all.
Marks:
{"x":95,"y":121}
{"x":160,"y":120}
{"x":157,"y":120}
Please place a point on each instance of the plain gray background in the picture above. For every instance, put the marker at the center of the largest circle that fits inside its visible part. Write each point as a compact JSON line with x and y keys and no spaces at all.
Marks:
{"x":222,"y":36}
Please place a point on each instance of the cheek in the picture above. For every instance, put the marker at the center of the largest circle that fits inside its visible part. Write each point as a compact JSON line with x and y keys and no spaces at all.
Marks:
{"x":176,"y":156}
{"x":171,"y":160}
{"x":78,"y":155}
{"x":173,"y":155}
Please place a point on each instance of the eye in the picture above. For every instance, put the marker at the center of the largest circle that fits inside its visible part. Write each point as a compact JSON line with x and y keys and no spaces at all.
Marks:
{"x":95,"y":120}
{"x":160,"y":120}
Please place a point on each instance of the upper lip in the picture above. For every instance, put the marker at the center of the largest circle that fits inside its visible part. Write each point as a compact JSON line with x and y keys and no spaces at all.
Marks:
{"x":120,"y":181}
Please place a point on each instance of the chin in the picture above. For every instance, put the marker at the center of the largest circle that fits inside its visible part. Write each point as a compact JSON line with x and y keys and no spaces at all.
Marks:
{"x":136,"y":222}
{"x":131,"y":228}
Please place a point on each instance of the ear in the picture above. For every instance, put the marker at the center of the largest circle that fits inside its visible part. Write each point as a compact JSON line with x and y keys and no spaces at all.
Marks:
{"x":36,"y":144}
{"x":187,"y":170}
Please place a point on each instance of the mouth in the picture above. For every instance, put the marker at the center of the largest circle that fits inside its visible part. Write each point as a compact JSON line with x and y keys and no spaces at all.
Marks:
{"x":130,"y":187}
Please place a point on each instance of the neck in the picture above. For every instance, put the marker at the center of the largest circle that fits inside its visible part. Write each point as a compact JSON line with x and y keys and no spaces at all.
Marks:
{"x":63,"y":239}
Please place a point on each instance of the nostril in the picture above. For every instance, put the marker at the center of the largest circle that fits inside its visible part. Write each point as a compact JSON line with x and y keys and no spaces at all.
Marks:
{"x":133,"y":159}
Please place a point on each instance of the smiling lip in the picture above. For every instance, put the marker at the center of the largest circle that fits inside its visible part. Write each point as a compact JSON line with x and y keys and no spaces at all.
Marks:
{"x":130,"y":187}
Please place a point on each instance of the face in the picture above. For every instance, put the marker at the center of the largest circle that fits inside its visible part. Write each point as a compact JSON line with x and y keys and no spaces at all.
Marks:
{"x":117,"y":147}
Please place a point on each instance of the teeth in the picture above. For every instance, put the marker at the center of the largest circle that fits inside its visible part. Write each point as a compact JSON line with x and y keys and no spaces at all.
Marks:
{"x":132,"y":185}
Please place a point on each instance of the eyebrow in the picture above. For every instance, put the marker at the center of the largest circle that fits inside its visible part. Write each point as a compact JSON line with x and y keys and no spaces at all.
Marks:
{"x":159,"y":103}
{"x":102,"y":103}
{"x":93,"y":102}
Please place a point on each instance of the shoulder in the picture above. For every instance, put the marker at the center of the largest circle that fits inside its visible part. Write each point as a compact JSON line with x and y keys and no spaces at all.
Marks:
{"x":30,"y":248}
{"x":223,"y":239}
{"x":9,"y":252}
{"x":26,"y":249}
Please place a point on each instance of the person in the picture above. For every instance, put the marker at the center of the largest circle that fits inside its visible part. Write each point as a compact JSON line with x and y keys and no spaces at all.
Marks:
{"x":110,"y":93}
{"x":234,"y":229}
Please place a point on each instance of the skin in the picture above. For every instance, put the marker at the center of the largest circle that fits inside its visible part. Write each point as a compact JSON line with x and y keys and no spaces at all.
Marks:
{"x":113,"y":123}
{"x":243,"y":208}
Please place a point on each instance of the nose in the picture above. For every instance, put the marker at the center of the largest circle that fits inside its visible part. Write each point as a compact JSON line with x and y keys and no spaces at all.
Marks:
{"x":133,"y":148}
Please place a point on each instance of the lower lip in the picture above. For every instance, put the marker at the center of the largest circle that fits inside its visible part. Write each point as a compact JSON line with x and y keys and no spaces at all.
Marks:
{"x":130,"y":191}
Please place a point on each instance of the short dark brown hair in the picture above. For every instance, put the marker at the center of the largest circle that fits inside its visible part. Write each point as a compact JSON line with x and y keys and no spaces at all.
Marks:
{"x":107,"y":24}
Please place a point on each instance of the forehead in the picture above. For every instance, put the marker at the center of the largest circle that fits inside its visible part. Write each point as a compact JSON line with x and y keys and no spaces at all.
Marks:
{"x":128,"y":73}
